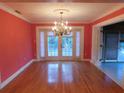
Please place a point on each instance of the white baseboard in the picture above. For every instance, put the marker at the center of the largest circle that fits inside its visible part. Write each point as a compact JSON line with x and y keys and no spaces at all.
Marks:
{"x":38,"y":60}
{"x":7,"y":81}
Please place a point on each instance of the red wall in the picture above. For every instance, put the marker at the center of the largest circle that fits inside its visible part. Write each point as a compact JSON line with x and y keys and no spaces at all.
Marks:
{"x":15,"y":44}
{"x":87,"y":41}
{"x":87,"y":37}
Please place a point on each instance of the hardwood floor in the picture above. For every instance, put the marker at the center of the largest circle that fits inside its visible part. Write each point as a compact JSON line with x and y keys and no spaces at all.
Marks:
{"x":62,"y":77}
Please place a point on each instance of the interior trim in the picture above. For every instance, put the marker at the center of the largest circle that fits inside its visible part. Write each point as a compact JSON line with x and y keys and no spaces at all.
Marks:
{"x":8,"y":80}
{"x":108,"y":13}
{"x":96,"y":36}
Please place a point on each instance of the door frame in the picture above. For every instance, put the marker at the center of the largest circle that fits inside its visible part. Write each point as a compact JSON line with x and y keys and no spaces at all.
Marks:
{"x":47,"y":28}
{"x":96,"y":41}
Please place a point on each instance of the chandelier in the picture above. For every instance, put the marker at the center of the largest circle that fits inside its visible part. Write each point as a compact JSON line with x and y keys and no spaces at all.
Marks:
{"x":61,"y":27}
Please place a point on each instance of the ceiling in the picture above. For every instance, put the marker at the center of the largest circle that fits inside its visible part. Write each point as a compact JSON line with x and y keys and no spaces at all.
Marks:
{"x":81,"y":1}
{"x":78,"y":12}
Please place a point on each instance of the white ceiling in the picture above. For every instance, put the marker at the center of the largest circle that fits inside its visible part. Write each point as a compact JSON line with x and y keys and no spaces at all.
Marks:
{"x":79,"y":12}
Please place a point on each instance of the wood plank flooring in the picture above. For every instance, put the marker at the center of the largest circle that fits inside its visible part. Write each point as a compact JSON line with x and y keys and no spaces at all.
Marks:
{"x":62,"y":77}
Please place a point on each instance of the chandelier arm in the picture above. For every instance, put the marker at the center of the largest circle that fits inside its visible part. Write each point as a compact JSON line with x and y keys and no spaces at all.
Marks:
{"x":61,"y":28}
{"x":61,"y":13}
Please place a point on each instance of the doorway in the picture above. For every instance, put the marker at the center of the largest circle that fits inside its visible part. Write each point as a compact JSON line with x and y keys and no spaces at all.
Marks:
{"x":59,"y":47}
{"x":67,"y":47}
{"x":113,"y":43}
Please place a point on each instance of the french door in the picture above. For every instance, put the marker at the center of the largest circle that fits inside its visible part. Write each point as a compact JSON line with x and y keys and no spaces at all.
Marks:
{"x":59,"y":47}
{"x":52,"y":47}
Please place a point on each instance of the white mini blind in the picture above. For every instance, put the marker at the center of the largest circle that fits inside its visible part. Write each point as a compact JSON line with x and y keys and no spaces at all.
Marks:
{"x":42,"y":45}
{"x":77,"y":44}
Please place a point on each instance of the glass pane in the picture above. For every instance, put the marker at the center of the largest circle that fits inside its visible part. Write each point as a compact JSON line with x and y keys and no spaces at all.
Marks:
{"x":122,"y":36}
{"x":42,"y":49}
{"x":50,"y":34}
{"x":77,"y":44}
{"x":67,"y":46}
{"x":121,"y":52}
{"x":52,"y":46}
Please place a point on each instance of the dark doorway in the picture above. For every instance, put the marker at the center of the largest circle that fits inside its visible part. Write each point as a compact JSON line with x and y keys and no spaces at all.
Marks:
{"x":113,"y":43}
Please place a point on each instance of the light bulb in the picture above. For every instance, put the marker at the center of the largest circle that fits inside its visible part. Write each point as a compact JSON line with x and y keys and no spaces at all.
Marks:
{"x":55,"y":27}
{"x":65,"y":27}
{"x":66,"y":22}
{"x":70,"y":28}
{"x":62,"y":24}
{"x":55,"y":22}
{"x":52,"y":28}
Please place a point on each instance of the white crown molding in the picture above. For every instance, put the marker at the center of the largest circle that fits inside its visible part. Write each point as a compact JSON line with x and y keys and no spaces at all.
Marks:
{"x":11,"y":11}
{"x":110,"y":21}
{"x":106,"y":14}
{"x":8,"y":80}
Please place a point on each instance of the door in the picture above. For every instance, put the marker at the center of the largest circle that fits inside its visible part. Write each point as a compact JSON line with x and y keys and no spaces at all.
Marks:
{"x":111,"y":46}
{"x":67,"y":47}
{"x":59,"y":47}
{"x":52,"y":45}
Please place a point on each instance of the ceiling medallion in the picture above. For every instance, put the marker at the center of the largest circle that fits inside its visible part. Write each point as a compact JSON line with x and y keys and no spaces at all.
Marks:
{"x":61,"y":27}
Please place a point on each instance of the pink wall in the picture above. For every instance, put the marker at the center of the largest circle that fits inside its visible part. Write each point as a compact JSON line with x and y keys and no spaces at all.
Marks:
{"x":87,"y":37}
{"x":87,"y":41}
{"x":15,"y":44}
{"x":34,"y":40}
